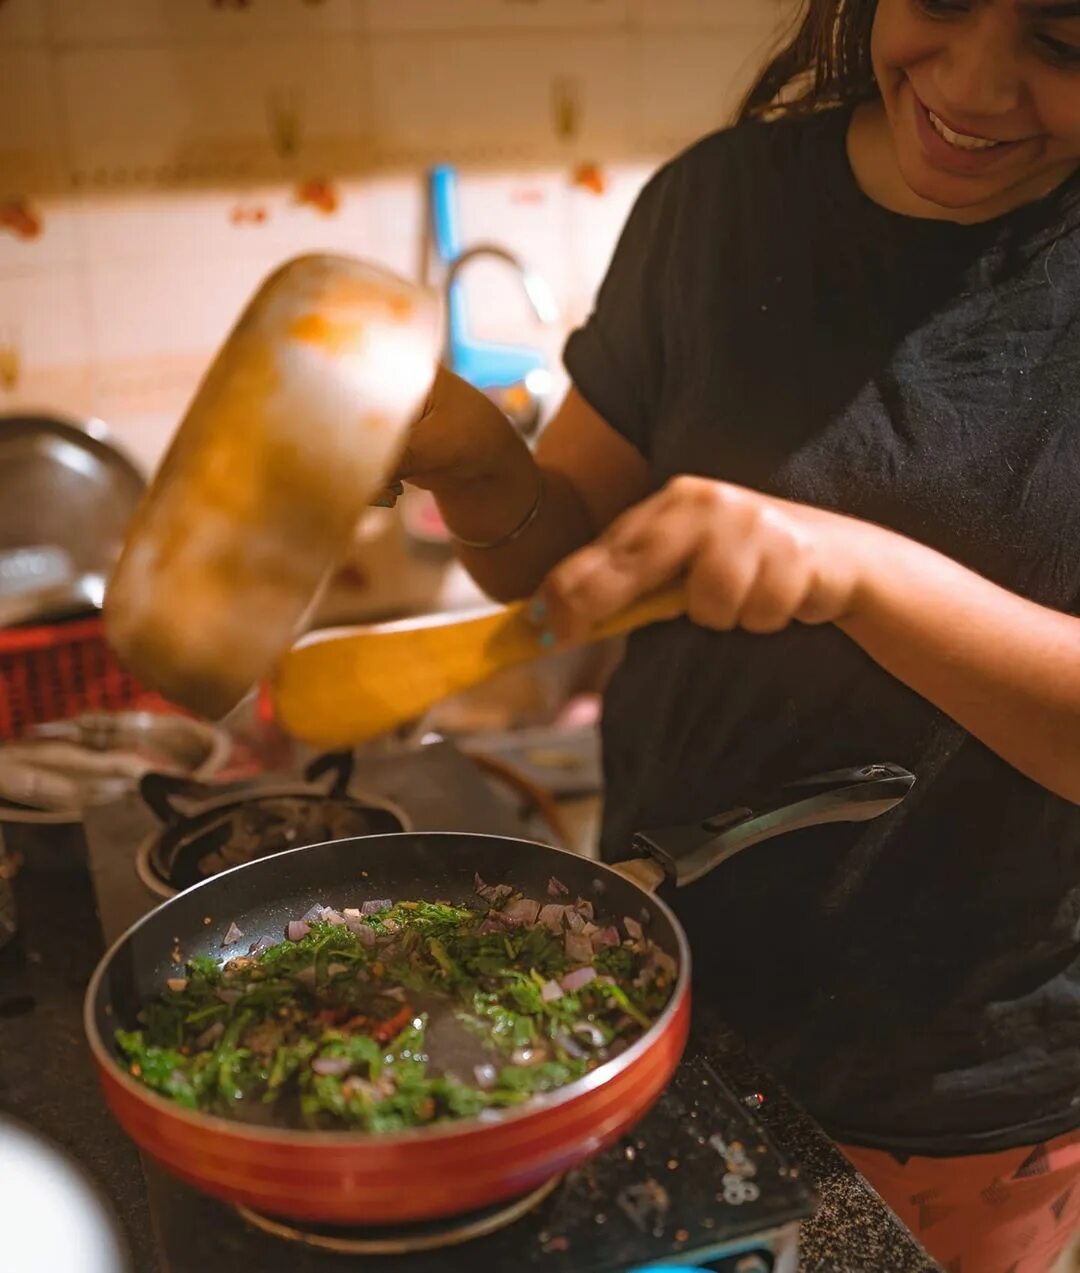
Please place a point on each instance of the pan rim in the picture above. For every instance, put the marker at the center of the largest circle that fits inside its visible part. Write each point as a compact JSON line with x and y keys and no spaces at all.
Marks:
{"x":449,"y":1130}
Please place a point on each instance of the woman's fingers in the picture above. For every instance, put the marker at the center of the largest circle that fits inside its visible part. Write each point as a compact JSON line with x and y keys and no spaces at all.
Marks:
{"x":750,"y":561}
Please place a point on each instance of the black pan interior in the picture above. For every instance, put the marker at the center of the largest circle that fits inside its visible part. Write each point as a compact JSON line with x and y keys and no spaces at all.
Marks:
{"x":262,"y":896}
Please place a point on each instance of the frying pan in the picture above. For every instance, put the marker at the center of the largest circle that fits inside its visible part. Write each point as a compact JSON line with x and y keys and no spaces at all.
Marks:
{"x":449,"y":1168}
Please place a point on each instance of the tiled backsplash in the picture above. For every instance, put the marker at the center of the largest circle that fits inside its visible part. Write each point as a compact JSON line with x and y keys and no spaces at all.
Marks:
{"x":153,"y":157}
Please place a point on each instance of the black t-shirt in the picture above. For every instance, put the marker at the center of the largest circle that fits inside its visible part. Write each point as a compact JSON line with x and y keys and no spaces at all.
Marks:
{"x":915,"y":980}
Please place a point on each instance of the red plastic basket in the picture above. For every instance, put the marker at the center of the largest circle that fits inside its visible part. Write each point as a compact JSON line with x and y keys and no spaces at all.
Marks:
{"x":51,"y":673}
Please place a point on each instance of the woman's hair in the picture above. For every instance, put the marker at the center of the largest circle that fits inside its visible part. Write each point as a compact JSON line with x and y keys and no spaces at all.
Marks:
{"x":825,"y":63}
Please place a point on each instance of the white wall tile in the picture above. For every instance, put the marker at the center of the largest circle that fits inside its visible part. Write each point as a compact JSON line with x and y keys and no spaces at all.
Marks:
{"x":690,"y":83}
{"x":209,"y":106}
{"x":595,"y":223}
{"x":58,"y":244}
{"x":89,"y":23}
{"x":45,"y":314}
{"x":465,"y":15}
{"x":22,"y":22}
{"x":490,"y":98}
{"x":703,"y":14}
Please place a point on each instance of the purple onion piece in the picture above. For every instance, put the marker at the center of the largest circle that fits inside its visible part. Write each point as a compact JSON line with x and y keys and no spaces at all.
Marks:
{"x":523,"y":911}
{"x":551,"y":916}
{"x":574,"y":921}
{"x":591,"y":1033}
{"x":314,"y":914}
{"x":551,"y":991}
{"x":257,"y":947}
{"x":556,"y":888}
{"x":584,"y":908}
{"x":605,"y":937}
{"x":577,"y":979}
{"x":330,"y":916}
{"x":331,"y":1066}
{"x":578,"y":948}
{"x":374,"y":907}
{"x":232,"y":934}
{"x":633,"y":929}
{"x":297,"y":930}
{"x":491,"y":926}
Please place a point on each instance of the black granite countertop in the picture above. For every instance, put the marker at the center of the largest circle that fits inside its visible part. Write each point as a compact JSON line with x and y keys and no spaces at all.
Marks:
{"x":47,"y":1081}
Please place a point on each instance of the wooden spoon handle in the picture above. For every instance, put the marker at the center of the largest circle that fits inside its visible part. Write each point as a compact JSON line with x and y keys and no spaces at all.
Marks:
{"x":343,"y":688}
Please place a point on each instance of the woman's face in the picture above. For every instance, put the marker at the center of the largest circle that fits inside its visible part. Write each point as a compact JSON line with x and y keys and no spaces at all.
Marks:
{"x":982,"y":97}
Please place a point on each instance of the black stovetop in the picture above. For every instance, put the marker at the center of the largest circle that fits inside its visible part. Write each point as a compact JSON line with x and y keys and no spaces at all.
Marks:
{"x":696,"y":1182}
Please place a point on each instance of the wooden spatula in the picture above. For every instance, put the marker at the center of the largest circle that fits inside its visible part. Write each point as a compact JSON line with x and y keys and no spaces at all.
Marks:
{"x":344,"y":687}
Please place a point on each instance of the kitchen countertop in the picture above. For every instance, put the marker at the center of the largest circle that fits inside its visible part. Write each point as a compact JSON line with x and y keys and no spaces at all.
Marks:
{"x":47,"y":1081}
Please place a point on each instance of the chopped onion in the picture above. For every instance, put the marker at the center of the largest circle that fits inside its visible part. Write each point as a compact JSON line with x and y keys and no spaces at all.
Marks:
{"x":570,"y":1045}
{"x":351,"y":912}
{"x":374,"y":907}
{"x":584,"y":908}
{"x":633,"y":929}
{"x":177,"y":984}
{"x":587,"y":1030}
{"x":314,"y":913}
{"x":331,"y":916}
{"x":333,"y":1066}
{"x":491,"y":892}
{"x":574,"y":921}
{"x":298,"y":929}
{"x":490,"y":926}
{"x":550,"y":991}
{"x":521,"y":911}
{"x":578,"y":948}
{"x":556,"y":888}
{"x":486,"y":1076}
{"x":551,"y":916}
{"x":577,"y":979}
{"x":359,"y":929}
{"x":257,"y":947}
{"x":210,"y":1036}
{"x":232,"y":934}
{"x":604,"y":937}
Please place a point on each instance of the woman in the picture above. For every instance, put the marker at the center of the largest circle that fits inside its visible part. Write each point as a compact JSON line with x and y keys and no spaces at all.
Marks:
{"x":832,"y":379}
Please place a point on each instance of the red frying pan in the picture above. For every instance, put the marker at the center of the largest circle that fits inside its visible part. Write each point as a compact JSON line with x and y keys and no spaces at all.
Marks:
{"x":449,"y":1168}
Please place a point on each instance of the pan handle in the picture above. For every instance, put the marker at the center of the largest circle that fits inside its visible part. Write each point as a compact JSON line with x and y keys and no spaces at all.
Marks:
{"x":686,"y":853}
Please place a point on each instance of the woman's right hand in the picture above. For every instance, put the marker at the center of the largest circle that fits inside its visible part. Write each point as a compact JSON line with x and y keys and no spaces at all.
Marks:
{"x":459,"y":438}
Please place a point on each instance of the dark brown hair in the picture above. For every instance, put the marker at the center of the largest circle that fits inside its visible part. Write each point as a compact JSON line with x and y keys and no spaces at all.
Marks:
{"x":825,"y":63}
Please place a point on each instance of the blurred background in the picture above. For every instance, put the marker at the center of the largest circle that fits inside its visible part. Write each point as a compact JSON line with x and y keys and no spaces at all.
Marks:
{"x":159,"y":157}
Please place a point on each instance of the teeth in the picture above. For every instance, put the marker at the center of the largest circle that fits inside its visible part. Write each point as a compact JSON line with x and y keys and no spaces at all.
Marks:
{"x":960,"y":140}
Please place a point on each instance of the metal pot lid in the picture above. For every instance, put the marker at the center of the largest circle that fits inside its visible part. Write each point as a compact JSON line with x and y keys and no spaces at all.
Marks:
{"x":65,"y":485}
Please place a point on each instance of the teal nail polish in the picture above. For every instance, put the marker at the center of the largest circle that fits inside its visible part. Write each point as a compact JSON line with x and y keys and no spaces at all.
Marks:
{"x":546,"y":639}
{"x":385,"y":502}
{"x":538,"y":610}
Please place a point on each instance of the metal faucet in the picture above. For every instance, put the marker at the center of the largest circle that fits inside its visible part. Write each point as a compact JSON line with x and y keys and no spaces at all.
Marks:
{"x":535,"y":286}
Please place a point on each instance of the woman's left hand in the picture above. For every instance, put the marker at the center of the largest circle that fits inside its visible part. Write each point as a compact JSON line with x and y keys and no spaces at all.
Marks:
{"x":749,"y":560}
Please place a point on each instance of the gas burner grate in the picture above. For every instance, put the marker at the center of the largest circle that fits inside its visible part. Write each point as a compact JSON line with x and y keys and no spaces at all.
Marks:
{"x":405,"y":1239}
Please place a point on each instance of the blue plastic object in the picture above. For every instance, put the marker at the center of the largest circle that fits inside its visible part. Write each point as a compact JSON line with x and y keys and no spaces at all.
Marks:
{"x":485,"y":364}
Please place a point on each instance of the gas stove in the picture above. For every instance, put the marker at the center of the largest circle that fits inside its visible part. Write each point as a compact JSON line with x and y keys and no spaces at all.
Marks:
{"x":697,"y":1183}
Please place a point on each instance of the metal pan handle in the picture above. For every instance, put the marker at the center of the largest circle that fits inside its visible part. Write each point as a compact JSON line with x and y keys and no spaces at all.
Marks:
{"x":686,"y":853}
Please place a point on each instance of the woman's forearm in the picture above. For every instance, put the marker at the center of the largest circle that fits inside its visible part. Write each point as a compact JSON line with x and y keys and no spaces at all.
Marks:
{"x":1004,"y":668}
